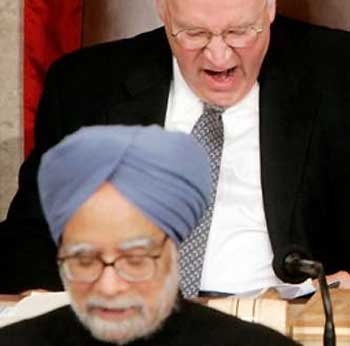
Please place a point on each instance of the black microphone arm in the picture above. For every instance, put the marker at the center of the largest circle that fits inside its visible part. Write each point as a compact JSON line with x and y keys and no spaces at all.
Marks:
{"x":295,"y":265}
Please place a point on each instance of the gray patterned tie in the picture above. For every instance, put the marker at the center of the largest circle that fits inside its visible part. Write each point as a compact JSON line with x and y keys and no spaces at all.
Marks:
{"x":209,"y":132}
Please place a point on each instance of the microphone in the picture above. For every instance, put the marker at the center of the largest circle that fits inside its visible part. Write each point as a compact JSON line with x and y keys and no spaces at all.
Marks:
{"x":288,"y":272}
{"x":296,"y":267}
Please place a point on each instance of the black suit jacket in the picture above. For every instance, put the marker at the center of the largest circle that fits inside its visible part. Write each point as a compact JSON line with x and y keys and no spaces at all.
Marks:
{"x":304,"y":137}
{"x":191,"y":324}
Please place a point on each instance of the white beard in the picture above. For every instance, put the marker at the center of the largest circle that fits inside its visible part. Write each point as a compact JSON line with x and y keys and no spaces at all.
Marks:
{"x":142,"y":324}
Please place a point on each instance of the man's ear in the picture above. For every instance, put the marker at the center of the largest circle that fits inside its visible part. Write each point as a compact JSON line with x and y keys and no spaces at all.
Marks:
{"x":160,"y":6}
{"x":271,"y":9}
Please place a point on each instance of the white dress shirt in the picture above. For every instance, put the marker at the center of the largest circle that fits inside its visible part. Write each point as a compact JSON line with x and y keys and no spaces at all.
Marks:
{"x":238,"y":257}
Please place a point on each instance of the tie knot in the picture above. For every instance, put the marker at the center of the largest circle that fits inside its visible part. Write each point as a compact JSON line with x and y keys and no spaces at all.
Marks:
{"x":213,"y":110}
{"x":209,"y":126}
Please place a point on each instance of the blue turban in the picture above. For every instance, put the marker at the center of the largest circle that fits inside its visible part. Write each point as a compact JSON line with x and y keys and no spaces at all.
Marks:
{"x":164,"y":174}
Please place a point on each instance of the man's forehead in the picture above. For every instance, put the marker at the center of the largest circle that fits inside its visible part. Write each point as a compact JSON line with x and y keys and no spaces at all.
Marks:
{"x":210,"y":12}
{"x":234,"y":4}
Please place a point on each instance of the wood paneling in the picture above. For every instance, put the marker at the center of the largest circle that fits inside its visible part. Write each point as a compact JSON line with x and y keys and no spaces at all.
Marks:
{"x":106,"y":20}
{"x":330,"y":13}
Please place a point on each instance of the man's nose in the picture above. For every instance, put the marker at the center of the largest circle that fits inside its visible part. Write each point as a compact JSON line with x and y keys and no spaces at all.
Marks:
{"x":218,"y":52}
{"x":110,"y":283}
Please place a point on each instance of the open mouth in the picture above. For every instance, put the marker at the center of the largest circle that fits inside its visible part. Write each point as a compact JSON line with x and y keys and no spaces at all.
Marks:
{"x":221,"y":75}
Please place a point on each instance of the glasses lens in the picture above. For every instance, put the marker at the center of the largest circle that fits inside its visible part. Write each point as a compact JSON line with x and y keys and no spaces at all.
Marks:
{"x":136,"y":268}
{"x":193,"y":38}
{"x":82,"y":268}
{"x":240,"y":39}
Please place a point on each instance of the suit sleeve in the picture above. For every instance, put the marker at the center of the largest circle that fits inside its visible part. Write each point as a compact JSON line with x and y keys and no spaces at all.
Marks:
{"x":336,"y":103}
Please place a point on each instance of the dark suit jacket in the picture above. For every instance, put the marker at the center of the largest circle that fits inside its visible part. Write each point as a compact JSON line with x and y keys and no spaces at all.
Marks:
{"x":193,"y":325}
{"x":304,"y":135}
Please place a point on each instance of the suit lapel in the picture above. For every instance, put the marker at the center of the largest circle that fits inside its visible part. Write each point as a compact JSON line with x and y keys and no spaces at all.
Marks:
{"x":145,"y":108}
{"x":288,"y":106}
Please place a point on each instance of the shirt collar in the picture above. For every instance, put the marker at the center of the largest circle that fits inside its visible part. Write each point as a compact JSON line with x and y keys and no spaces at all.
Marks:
{"x":187,"y":103}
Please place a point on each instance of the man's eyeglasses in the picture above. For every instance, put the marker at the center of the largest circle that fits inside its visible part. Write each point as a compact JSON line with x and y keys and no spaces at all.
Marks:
{"x":88,"y":267}
{"x":197,"y":38}
{"x":239,"y":37}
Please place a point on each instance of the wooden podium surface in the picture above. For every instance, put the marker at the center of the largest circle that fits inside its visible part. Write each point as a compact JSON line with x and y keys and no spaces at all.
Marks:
{"x":307,"y":323}
{"x":303,"y":320}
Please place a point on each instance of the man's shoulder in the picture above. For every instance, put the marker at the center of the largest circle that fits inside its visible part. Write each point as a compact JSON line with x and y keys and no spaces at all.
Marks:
{"x":307,"y":36}
{"x":40,"y":330}
{"x":117,"y":53}
{"x":302,"y":48}
{"x":104,"y":66}
{"x":209,"y":325}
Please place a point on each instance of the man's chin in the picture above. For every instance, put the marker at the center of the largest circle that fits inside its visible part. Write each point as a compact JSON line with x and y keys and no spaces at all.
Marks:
{"x":120,"y":330}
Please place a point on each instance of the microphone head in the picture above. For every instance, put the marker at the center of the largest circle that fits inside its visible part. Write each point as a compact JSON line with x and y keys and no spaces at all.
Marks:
{"x":284,"y":264}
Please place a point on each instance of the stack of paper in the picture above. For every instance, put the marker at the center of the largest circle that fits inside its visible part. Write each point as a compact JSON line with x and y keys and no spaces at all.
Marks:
{"x":31,"y":306}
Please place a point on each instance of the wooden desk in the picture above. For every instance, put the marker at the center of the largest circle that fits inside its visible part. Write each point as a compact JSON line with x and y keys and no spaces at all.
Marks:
{"x":307,"y":321}
{"x":303,"y":320}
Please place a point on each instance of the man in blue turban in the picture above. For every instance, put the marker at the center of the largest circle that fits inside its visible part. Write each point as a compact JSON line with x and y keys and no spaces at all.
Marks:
{"x":119,"y":201}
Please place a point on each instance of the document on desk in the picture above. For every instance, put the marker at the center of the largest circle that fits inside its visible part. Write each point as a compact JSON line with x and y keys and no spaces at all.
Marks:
{"x":285,"y":291}
{"x":37,"y":303}
{"x":5,"y":310}
{"x":288,"y":291}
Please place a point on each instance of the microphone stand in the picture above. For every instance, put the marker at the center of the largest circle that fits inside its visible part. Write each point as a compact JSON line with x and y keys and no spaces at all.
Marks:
{"x":315,"y":270}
